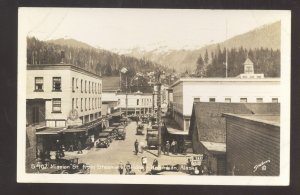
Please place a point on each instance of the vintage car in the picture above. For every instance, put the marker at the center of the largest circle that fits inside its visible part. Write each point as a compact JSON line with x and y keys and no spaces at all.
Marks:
{"x":152,"y":138}
{"x":64,"y":166}
{"x":103,"y":140}
{"x":140,"y":129}
{"x":121,"y":134}
{"x":115,"y":124}
{"x":112,"y":133}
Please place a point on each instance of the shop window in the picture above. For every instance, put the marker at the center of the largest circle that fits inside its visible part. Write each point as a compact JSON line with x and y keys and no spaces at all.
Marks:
{"x":38,"y":82}
{"x":56,"y":105}
{"x":56,"y":84}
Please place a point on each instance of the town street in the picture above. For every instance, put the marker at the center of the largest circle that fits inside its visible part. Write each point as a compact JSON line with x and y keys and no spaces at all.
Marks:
{"x":106,"y":160}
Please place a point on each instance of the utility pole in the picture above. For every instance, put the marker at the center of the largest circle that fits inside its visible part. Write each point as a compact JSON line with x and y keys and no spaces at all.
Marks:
{"x":226,"y":53}
{"x":126,"y":98}
{"x":159,"y":114}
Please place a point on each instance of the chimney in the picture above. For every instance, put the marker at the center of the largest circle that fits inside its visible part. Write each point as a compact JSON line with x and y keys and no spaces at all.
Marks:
{"x":62,"y":57}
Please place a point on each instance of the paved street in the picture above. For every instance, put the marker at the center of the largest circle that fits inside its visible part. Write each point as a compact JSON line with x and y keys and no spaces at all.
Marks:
{"x":106,"y":160}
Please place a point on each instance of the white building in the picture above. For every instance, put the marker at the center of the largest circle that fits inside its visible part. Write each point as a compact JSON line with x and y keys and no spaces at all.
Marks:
{"x":189,"y":90}
{"x":71,"y":95}
{"x":137,"y":103}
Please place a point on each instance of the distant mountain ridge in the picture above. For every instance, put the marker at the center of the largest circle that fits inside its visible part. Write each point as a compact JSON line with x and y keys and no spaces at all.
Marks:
{"x":71,"y":43}
{"x":266,"y":36}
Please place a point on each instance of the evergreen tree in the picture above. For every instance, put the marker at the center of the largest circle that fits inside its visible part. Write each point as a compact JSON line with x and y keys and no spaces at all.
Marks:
{"x":200,"y":67}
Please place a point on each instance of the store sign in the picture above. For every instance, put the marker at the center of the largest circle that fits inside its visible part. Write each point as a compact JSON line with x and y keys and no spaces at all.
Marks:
{"x":197,"y":160}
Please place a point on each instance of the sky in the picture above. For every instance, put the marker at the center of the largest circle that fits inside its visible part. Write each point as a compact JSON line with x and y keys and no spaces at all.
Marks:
{"x":123,"y":29}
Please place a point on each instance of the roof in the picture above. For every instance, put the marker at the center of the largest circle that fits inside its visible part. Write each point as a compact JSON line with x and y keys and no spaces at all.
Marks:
{"x":110,"y":83}
{"x":270,"y":119}
{"x":248,"y":61}
{"x":49,"y":131}
{"x":208,"y":120}
{"x":228,"y":79}
{"x":214,"y":146}
{"x":61,"y":67}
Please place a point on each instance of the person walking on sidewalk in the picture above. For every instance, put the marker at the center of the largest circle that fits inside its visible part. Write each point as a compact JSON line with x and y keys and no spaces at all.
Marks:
{"x":168,"y":147}
{"x":144,"y":163}
{"x":127,"y":168}
{"x":79,"y":147}
{"x":136,"y":146}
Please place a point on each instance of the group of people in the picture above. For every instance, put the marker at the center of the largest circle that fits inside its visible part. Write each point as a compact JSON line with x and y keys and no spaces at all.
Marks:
{"x":173,"y":147}
{"x":128,"y":167}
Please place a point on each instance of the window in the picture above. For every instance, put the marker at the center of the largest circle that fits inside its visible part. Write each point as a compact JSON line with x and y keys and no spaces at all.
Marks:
{"x":85,"y":86}
{"x":92,"y":103}
{"x":92,"y":87}
{"x":56,"y":84}
{"x":73,"y":80}
{"x":274,"y":100}
{"x":39,"y":82}
{"x":85,"y":104}
{"x":243,"y":100}
{"x":100,"y":88}
{"x":259,"y":100}
{"x":89,"y":86}
{"x":196,"y":99}
{"x":72,"y":103}
{"x":56,"y":105}
{"x":81,"y":86}
{"x":76,"y":102}
{"x":212,"y":99}
{"x":81,"y":104}
{"x":89,"y":103}
{"x":227,"y":100}
{"x":76,"y":83}
{"x":137,"y":102}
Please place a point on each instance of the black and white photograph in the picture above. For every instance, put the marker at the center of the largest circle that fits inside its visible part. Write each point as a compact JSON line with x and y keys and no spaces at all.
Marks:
{"x":154,"y":96}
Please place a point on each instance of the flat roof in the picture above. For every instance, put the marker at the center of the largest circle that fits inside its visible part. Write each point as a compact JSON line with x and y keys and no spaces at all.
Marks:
{"x":214,"y":146}
{"x":271,"y":119}
{"x":60,"y":67}
{"x":229,"y":79}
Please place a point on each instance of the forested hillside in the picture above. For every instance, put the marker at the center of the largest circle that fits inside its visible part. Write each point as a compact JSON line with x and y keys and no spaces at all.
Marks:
{"x":212,"y":64}
{"x":99,"y":61}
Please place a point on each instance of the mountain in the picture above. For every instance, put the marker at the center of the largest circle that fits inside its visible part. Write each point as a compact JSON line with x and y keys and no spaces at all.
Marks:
{"x":267,"y":36}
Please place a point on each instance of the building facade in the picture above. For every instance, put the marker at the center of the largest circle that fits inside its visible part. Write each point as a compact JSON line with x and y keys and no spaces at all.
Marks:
{"x":69,"y":92}
{"x":186,"y":91}
{"x":137,"y":103}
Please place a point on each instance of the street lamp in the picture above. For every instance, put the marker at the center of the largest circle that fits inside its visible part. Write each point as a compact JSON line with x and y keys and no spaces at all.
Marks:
{"x":124,"y":71}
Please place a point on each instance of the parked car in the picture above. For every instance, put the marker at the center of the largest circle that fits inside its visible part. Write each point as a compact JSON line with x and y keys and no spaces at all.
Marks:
{"x":112,"y":134}
{"x":140,"y":129}
{"x":103,"y":140}
{"x":121,"y":134}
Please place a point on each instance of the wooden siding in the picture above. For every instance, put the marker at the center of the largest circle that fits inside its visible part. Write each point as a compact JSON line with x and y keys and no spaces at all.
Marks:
{"x":250,"y":143}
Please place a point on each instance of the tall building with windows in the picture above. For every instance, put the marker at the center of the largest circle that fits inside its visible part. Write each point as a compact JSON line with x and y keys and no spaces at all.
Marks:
{"x":230,"y":90}
{"x":69,"y":95}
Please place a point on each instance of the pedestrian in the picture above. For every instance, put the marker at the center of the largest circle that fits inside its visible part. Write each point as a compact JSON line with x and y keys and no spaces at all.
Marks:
{"x":88,"y":143}
{"x":173,"y":146}
{"x":79,"y":147}
{"x":136,"y":146}
{"x":127,"y":168}
{"x":155,"y":164}
{"x":168,"y":147}
{"x":121,"y":168}
{"x":144,"y":163}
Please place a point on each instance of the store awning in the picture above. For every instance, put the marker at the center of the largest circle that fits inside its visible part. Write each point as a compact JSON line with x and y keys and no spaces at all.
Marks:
{"x":74,"y":130}
{"x":176,"y":131}
{"x":116,"y":114}
{"x":49,"y":131}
